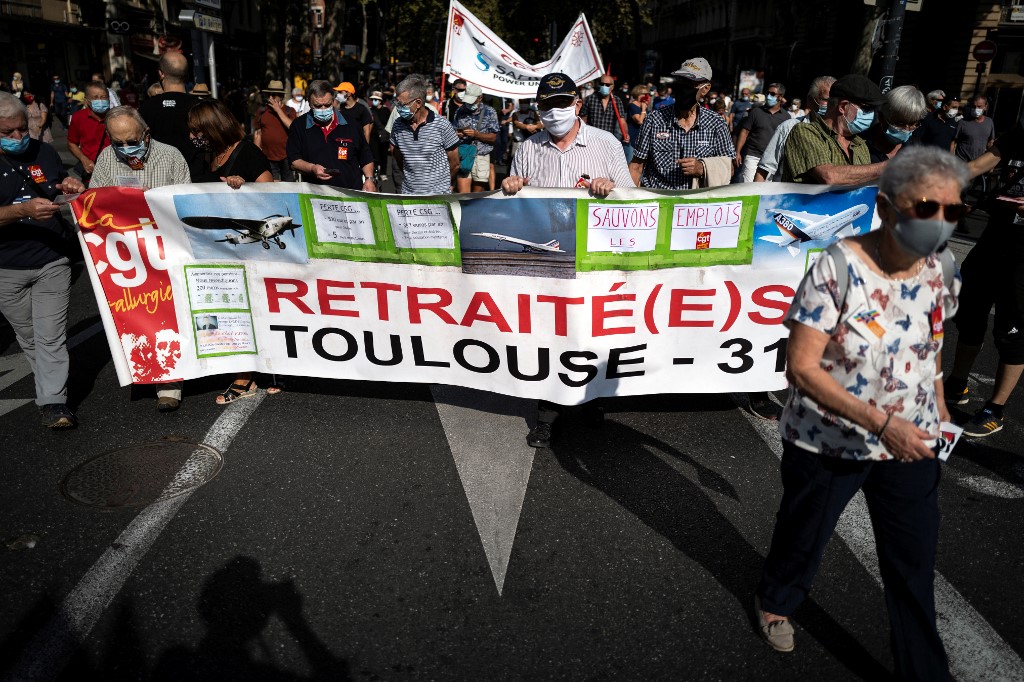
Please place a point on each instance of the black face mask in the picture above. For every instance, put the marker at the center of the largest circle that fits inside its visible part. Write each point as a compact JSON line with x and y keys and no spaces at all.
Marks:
{"x":685,"y":100}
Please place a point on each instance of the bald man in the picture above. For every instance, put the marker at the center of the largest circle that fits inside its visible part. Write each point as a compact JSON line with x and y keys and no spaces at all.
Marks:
{"x":167,"y":113}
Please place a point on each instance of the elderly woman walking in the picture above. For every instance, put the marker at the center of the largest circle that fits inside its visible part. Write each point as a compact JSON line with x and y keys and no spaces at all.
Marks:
{"x":864,"y":362}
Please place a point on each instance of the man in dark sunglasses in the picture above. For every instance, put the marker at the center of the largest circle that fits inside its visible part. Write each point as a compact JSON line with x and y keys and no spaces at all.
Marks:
{"x":993,"y":277}
{"x":450,"y":107}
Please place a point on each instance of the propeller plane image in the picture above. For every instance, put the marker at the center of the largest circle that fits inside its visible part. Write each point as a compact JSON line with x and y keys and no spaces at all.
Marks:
{"x":796,"y":228}
{"x":247,"y":231}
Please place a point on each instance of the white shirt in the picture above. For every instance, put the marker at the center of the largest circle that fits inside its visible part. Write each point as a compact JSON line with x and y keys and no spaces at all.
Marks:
{"x":299,"y":107}
{"x":594,"y":152}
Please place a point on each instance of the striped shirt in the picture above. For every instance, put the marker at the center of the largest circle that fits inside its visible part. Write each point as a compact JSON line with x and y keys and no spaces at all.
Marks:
{"x":594,"y":152}
{"x":815,"y":144}
{"x":663,"y":141}
{"x":425,"y":154}
{"x":164,"y":165}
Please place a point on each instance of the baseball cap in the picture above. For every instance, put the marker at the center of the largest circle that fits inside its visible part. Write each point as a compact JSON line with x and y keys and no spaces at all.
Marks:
{"x":472,"y":94}
{"x":345,"y":86}
{"x":375,"y":95}
{"x":857,"y":89}
{"x":696,"y":69}
{"x":556,"y":85}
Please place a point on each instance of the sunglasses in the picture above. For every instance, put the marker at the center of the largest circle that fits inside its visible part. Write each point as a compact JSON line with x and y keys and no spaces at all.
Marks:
{"x":928,"y":208}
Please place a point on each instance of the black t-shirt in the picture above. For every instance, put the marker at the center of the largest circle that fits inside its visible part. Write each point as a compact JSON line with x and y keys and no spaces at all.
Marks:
{"x":358,"y":113}
{"x":246,"y":160}
{"x":30,"y":244}
{"x":935,"y":132}
{"x":167,"y":118}
{"x":762,"y":124}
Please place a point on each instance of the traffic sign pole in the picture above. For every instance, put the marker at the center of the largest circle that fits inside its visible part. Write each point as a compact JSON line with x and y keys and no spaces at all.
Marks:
{"x":893,"y":29}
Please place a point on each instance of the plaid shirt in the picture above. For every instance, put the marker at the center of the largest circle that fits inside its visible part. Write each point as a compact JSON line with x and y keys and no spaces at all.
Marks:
{"x":662,"y":141}
{"x":164,"y":165}
{"x":601,"y":117}
{"x":814,"y":144}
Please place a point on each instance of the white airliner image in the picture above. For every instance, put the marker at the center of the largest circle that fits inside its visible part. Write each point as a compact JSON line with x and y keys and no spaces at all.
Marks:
{"x":797,"y":228}
{"x":246,"y":231}
{"x":528,"y":246}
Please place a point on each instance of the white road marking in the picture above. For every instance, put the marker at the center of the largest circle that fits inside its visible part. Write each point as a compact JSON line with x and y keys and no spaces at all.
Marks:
{"x":975,"y":650}
{"x":50,"y":650}
{"x":487,"y":436}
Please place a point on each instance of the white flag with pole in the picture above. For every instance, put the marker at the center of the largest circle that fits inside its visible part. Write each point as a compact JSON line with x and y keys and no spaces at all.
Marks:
{"x":474,"y":53}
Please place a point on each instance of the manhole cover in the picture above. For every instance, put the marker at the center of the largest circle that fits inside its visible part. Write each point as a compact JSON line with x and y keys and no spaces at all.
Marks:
{"x":138,"y":475}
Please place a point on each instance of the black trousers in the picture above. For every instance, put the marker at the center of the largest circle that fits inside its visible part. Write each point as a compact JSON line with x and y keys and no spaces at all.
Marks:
{"x":903,"y":503}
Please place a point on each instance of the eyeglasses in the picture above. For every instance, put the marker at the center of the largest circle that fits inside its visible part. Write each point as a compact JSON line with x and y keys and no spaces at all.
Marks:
{"x":910,"y":127}
{"x":926,"y":208}
{"x":405,"y":104}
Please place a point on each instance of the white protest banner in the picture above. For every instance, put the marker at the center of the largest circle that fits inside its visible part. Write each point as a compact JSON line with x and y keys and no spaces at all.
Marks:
{"x":473,"y":52}
{"x":551,"y":294}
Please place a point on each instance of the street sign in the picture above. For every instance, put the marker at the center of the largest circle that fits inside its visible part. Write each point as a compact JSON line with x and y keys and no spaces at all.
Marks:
{"x":912,"y":5}
{"x":885,"y":85}
{"x":985,"y":51}
{"x":203,"y":22}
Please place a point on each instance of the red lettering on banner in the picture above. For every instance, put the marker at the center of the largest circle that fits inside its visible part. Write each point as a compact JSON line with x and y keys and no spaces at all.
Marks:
{"x":382,"y":289}
{"x":325,"y":297}
{"x":444,"y":299}
{"x":760,"y":298}
{"x":561,"y":303}
{"x":275,"y":295}
{"x":525,"y":322}
{"x":482,"y":299}
{"x":600,"y":313}
{"x":677,"y":307}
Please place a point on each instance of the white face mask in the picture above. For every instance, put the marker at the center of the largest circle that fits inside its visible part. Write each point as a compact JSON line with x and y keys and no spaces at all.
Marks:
{"x":298,"y":98}
{"x":978,"y":112}
{"x":953,"y":113}
{"x":342,"y":97}
{"x":559,"y":121}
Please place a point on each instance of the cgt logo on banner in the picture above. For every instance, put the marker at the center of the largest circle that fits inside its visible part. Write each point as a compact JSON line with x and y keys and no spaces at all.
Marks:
{"x":475,"y":53}
{"x":130,"y":276}
{"x":551,"y":294}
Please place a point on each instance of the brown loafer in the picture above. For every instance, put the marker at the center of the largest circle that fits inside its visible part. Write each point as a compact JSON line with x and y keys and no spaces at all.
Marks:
{"x":167,"y":404}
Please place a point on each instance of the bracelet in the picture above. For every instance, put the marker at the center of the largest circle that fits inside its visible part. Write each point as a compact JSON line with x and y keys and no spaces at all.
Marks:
{"x":884,"y":426}
{"x":939,"y":375}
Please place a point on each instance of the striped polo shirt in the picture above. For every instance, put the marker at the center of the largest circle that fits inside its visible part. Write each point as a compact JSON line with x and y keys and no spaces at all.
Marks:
{"x":425,"y":154}
{"x":594,"y":152}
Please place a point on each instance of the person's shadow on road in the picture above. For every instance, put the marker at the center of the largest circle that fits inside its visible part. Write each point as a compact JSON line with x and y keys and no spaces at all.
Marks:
{"x":617,"y":460}
{"x":236,"y":605}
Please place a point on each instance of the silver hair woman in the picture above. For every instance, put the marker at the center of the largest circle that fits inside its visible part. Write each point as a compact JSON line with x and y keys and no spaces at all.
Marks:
{"x":865,"y":407}
{"x":900,"y":115}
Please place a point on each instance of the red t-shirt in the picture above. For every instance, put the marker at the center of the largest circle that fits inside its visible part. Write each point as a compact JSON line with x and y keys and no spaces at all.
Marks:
{"x":273,"y":134}
{"x":89,"y":133}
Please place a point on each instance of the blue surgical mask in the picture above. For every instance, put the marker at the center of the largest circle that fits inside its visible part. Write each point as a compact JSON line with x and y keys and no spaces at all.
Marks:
{"x":474,"y":106}
{"x":404,"y":112}
{"x":126,"y":152}
{"x":862,"y":122}
{"x":12,"y":146}
{"x":770,"y":101}
{"x":604,"y":89}
{"x":99,"y":106}
{"x":897,"y":135}
{"x":822,"y":108}
{"x":938,"y":104}
{"x":323,"y":115}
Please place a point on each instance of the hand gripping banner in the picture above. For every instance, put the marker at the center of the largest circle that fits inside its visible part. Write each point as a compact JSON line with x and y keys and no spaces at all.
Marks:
{"x":550,"y":294}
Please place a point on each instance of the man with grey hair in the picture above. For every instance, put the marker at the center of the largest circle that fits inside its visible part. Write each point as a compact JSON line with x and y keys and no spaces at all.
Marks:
{"x":757,"y":129}
{"x":35,"y":276}
{"x":133,"y":158}
{"x":424,"y":143}
{"x":817,"y":104}
{"x":935,"y":99}
{"x":326,"y":147}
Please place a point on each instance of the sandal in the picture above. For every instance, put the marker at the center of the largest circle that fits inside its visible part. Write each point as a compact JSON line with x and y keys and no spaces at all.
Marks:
{"x":236,"y":391}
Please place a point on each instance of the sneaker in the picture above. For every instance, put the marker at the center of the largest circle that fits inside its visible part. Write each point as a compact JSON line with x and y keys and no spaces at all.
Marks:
{"x":953,"y":398}
{"x":778,"y":633}
{"x":984,"y":423}
{"x":57,"y":416}
{"x":764,"y":407}
{"x":539,"y":436}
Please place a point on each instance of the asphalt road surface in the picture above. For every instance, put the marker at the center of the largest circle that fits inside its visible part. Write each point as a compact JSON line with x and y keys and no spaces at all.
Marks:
{"x":384,"y":531}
